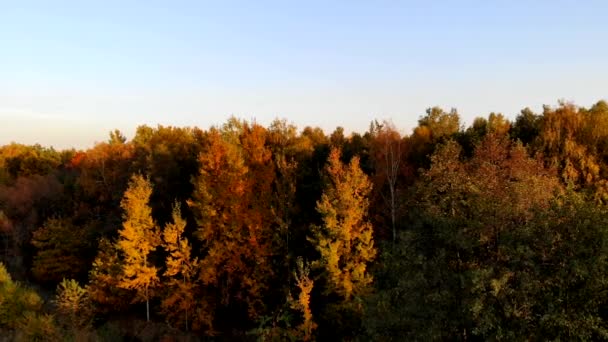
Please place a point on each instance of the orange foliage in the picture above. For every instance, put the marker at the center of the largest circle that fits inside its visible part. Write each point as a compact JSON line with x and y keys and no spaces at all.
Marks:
{"x":231,"y":204}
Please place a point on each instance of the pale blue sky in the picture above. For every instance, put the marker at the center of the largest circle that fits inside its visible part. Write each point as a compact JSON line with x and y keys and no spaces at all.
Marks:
{"x":72,"y":70}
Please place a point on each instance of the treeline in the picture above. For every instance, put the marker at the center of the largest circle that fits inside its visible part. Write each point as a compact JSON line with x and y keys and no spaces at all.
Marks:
{"x":493,"y":231}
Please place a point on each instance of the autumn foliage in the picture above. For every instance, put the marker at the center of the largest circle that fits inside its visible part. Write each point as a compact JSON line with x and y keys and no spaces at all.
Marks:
{"x":495,"y":231}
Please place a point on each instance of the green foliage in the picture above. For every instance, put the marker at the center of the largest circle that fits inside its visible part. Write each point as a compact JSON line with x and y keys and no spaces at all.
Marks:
{"x":15,"y":300}
{"x":275,"y":328}
{"x":60,"y":249}
{"x":23,"y":161}
{"x":104,"y":280}
{"x":21,"y":311}
{"x":37,"y":327}
{"x":440,"y":123}
{"x":493,"y":253}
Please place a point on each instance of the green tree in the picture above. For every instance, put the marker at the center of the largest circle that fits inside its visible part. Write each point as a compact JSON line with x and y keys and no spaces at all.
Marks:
{"x":21,"y":312}
{"x":104,"y":279}
{"x":61,"y":247}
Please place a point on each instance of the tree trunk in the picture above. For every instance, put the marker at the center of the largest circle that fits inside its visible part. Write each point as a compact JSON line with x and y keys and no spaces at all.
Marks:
{"x":147,"y":306}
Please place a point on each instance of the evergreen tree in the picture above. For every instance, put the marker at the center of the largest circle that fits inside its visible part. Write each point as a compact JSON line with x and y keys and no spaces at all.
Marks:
{"x":60,"y":246}
{"x":104,"y":279}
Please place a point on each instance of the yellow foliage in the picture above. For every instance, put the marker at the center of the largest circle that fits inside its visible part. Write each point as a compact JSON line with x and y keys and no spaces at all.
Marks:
{"x":345,"y":239}
{"x":138,"y":237}
{"x":305,"y":284}
{"x":178,"y":305}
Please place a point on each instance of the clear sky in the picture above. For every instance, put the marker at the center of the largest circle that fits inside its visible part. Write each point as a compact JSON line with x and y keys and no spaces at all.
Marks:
{"x":72,"y":70}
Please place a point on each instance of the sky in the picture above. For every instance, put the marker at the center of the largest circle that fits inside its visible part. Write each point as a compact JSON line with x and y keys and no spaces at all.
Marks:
{"x":71,"y":71}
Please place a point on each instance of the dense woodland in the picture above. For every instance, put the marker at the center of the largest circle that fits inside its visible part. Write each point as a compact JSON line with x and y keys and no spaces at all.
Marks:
{"x":496,"y":231}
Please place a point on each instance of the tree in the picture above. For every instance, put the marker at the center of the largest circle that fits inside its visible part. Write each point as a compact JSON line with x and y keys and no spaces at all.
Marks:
{"x":433,"y":128}
{"x":21,"y":310}
{"x":231,"y":204}
{"x":440,"y":123}
{"x":104,"y":280}
{"x":387,"y":156}
{"x":457,"y":271}
{"x":116,"y":137}
{"x":281,"y":142}
{"x":305,"y":285}
{"x":181,"y":269}
{"x":169,"y":156}
{"x":526,"y":127}
{"x":73,"y":305}
{"x":344,"y":239}
{"x":139,"y":236}
{"x":61,"y":247}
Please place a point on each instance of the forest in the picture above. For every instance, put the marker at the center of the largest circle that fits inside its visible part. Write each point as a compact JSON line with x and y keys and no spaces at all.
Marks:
{"x":495,"y":231}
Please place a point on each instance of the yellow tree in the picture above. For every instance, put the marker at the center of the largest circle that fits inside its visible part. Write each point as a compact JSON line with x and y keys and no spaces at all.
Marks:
{"x":138,"y":237}
{"x":181,"y":269}
{"x":345,"y":239}
{"x":305,"y":285}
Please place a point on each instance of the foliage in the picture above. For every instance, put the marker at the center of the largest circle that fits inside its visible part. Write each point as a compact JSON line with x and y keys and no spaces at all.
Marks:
{"x":15,"y":300}
{"x":231,"y":204}
{"x":74,"y":307}
{"x":345,"y":244}
{"x":35,"y":327}
{"x":305,"y":285}
{"x":181,"y":269}
{"x":104,"y":280}
{"x":21,"y":311}
{"x":60,"y":248}
{"x":138,"y":237}
{"x":344,"y":240}
{"x":496,"y":231}
{"x":493,"y":247}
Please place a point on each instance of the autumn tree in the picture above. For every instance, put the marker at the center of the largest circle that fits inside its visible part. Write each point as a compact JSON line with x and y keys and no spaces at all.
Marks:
{"x":282,"y":144}
{"x":74,"y":305}
{"x":181,"y":270}
{"x":302,"y":304}
{"x":139,"y":236}
{"x":344,"y":240}
{"x":231,"y":205}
